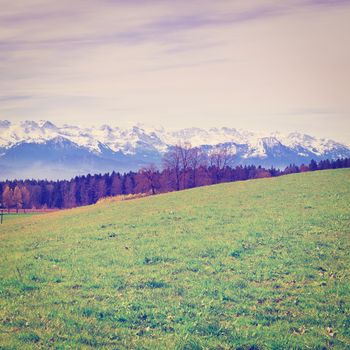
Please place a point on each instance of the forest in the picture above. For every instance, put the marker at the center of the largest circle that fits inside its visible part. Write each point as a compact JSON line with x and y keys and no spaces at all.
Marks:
{"x":183,"y":167}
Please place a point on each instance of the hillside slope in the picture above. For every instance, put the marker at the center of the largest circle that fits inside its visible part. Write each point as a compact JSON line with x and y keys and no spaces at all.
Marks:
{"x":261,"y":264}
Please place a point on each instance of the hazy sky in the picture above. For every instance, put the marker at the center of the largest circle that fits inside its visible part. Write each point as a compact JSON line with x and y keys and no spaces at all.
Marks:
{"x":258,"y":65}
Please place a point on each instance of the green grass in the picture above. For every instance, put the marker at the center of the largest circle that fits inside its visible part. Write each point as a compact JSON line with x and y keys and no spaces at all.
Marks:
{"x":261,"y":264}
{"x":15,"y":217}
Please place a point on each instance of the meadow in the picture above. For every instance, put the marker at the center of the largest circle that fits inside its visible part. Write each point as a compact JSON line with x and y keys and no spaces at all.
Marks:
{"x":260,"y":264}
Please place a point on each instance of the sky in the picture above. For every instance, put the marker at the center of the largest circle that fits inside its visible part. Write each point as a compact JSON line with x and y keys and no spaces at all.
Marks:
{"x":256,"y":65}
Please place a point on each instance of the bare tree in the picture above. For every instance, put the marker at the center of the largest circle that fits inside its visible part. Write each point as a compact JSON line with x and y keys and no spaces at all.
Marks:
{"x":172,"y":162}
{"x":219,"y":159}
{"x":196,"y":159}
{"x":7,"y":197}
{"x":148,"y":179}
{"x":185,"y":160}
{"x":17,"y":198}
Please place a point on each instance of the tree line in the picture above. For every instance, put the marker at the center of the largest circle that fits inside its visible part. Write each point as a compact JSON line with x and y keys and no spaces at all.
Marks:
{"x":183,"y":167}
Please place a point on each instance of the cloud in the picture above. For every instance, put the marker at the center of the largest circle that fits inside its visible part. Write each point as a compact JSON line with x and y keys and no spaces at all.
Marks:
{"x":14,"y":98}
{"x":328,"y":2}
{"x":40,"y":24}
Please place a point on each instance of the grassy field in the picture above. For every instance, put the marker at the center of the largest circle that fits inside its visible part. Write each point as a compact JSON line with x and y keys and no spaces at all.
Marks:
{"x":261,"y":264}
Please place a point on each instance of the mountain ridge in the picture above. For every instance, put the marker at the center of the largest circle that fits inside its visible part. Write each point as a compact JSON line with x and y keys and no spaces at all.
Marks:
{"x":74,"y":150}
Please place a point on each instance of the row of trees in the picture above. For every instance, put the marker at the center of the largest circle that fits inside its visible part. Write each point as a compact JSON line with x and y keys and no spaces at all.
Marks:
{"x":183,"y":167}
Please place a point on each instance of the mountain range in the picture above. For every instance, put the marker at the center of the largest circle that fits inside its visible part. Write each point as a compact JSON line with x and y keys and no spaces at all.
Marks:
{"x":30,"y":149}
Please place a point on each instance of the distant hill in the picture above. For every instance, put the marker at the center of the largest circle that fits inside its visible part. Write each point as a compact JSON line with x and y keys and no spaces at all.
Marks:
{"x":31,"y":149}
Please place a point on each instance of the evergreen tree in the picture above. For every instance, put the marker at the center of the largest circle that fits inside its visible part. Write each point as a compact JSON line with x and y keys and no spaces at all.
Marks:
{"x":313,"y":165}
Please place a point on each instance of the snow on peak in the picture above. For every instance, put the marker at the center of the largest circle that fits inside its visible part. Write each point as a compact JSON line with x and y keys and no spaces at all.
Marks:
{"x":270,"y":141}
{"x":5,"y":124}
{"x":45,"y":124}
{"x":142,"y":137}
{"x":296,"y":140}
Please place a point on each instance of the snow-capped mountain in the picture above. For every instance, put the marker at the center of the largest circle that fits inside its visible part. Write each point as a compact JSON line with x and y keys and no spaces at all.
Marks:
{"x":43,"y":150}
